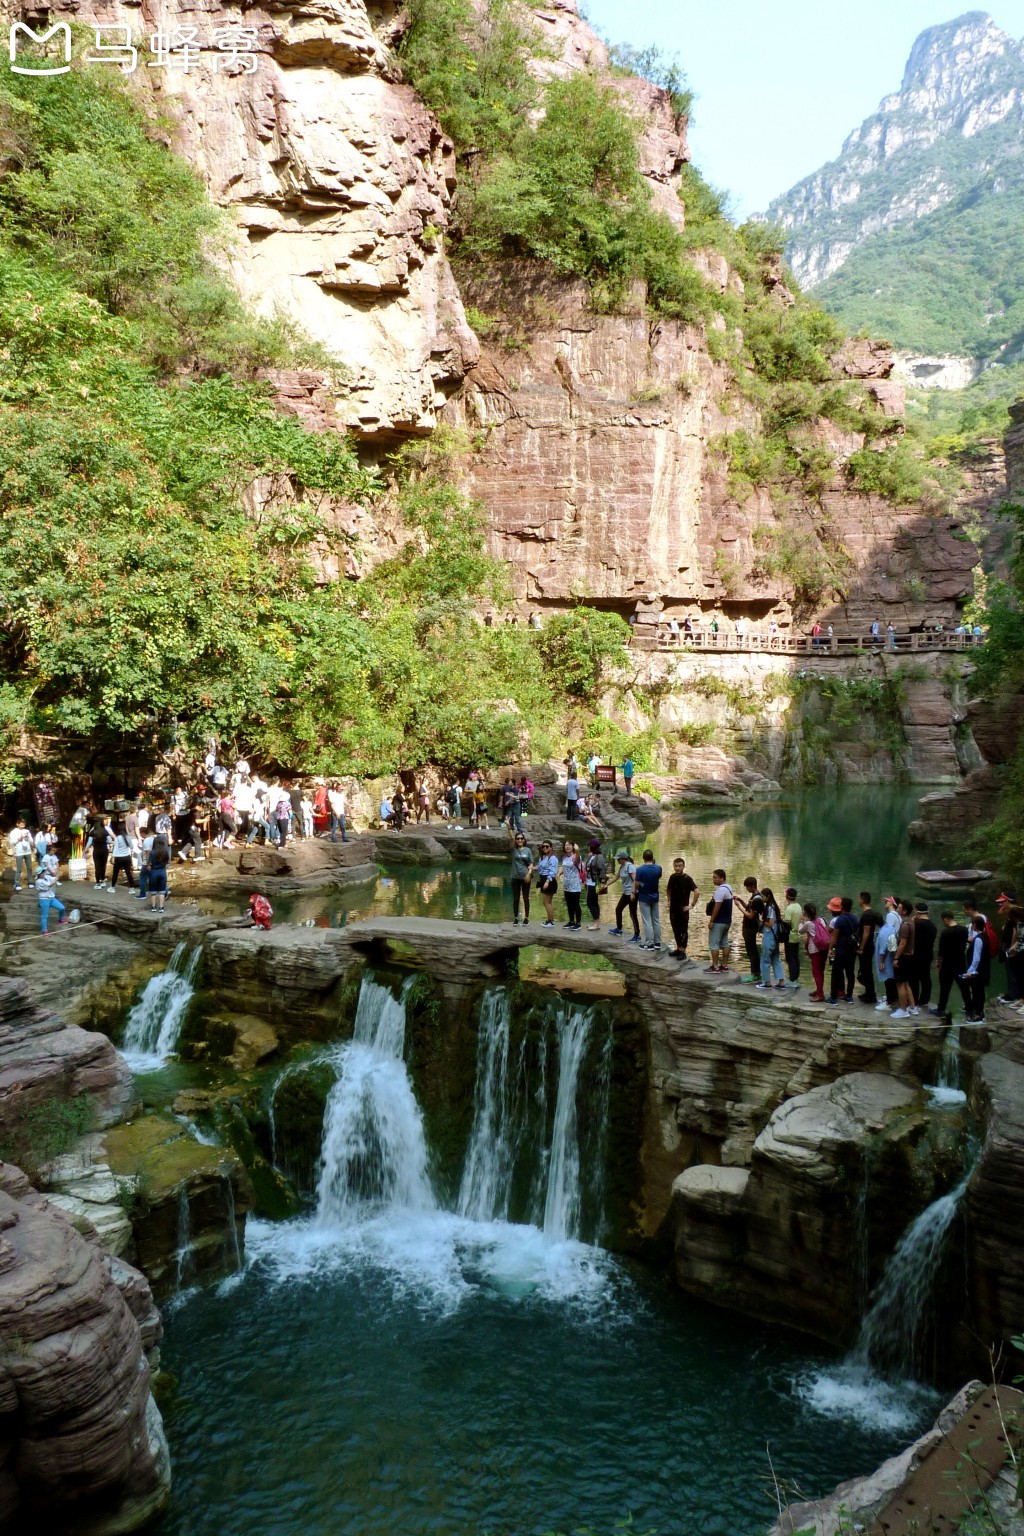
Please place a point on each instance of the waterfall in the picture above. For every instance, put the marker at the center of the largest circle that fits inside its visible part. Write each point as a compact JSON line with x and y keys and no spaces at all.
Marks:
{"x":562,"y":1204}
{"x":374,"y":1153}
{"x":949,"y":1062}
{"x":235,"y":1245}
{"x":487,"y":1177}
{"x":184,"y":1259}
{"x":894,"y":1329}
{"x":512,"y":1124}
{"x":153,"y":1023}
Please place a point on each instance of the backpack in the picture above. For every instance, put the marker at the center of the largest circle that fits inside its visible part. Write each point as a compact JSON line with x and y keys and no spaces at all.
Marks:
{"x":160,"y":855}
{"x":820,"y":934}
{"x":993,"y":939}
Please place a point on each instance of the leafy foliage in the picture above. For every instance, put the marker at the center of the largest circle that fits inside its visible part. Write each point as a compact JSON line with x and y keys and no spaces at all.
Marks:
{"x":579,"y":648}
{"x":34,"y":1135}
{"x":164,"y":532}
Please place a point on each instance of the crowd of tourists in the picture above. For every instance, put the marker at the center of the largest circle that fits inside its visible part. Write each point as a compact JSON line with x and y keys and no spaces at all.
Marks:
{"x":896,"y":955}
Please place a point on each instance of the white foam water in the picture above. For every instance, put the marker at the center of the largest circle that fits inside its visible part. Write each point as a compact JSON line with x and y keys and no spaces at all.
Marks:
{"x":153,"y":1024}
{"x":376,"y":1210}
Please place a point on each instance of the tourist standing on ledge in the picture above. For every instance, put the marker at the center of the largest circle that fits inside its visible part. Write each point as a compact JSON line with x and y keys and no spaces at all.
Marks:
{"x":627,"y":775}
{"x":904,"y":962}
{"x":720,"y":922}
{"x":682,"y":898}
{"x":647,"y":880}
{"x":951,"y":962}
{"x":925,"y":934}
{"x":868,"y":925}
{"x":573,"y":875}
{"x":1011,"y":944}
{"x":338,"y":803}
{"x":597,"y":876}
{"x":98,"y":842}
{"x":19,"y":843}
{"x":522,"y":874}
{"x":159,"y":856}
{"x":572,"y":795}
{"x":816,"y":942}
{"x":842,"y":948}
{"x":771,"y":948}
{"x":626,"y":876}
{"x":974,"y":981}
{"x":792,"y":916}
{"x":422,"y":802}
{"x":547,"y":873}
{"x":750,"y":927}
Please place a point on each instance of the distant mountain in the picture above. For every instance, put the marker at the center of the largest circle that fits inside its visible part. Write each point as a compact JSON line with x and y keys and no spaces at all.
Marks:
{"x":916,"y":230}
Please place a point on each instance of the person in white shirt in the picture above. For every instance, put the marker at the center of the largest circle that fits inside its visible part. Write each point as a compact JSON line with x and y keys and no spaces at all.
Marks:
{"x":307,"y":815}
{"x":122,"y":858}
{"x":19,"y":843}
{"x":338,"y":802}
{"x":46,"y":886}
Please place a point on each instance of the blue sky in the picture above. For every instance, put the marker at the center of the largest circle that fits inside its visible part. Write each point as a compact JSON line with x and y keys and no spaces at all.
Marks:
{"x":780,"y":86}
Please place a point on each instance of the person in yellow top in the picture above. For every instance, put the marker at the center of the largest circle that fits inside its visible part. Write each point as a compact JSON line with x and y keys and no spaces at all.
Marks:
{"x":792,"y":916}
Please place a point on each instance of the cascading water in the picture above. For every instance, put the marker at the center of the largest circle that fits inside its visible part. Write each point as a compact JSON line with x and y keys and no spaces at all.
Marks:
{"x":487,"y":1177}
{"x":879,"y":1381}
{"x":562,"y":1203}
{"x":184,"y":1260}
{"x":894,"y":1328}
{"x":153,"y":1024}
{"x":374,"y":1153}
{"x":375,"y":1202}
{"x":948,"y":1092}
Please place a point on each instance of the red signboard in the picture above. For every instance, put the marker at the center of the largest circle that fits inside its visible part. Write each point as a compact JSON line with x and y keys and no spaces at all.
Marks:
{"x":605,"y":774}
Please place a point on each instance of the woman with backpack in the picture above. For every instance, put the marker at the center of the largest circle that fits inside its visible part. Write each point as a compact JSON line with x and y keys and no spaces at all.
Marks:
{"x":974,"y":981}
{"x":771,"y":948}
{"x":816,"y":943}
{"x":597,"y":878}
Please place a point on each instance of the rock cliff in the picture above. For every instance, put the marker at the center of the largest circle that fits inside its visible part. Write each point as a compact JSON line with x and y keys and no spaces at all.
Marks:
{"x":591,"y":432}
{"x":82,"y":1447}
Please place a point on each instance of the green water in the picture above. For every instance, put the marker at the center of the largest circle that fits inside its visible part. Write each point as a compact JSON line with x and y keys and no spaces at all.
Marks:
{"x":826,"y":842}
{"x":421,"y":1374}
{"x":362,"y":1400}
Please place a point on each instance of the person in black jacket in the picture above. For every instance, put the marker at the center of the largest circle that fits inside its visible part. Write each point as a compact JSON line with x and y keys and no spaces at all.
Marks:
{"x":951,"y":961}
{"x":925,"y":934}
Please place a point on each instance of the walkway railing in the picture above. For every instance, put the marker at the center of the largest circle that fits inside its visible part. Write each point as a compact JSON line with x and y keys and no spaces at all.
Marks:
{"x":808,"y":645}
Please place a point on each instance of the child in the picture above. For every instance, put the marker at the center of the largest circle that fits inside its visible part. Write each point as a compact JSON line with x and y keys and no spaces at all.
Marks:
{"x":260,"y":911}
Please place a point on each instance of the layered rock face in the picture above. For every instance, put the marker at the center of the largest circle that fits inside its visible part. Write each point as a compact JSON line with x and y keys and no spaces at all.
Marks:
{"x":962,"y":78}
{"x":592,"y":457}
{"x":799,"y":1235}
{"x":338,"y":181}
{"x":82,"y":1447}
{"x":995,"y":1206}
{"x":42,"y":1058}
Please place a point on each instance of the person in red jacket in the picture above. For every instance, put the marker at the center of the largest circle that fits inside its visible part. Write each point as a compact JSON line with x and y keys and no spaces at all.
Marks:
{"x":260,"y":911}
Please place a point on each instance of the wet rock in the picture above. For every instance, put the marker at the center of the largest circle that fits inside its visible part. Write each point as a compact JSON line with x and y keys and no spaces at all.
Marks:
{"x":85,"y":1449}
{"x":995,"y":1201}
{"x":834,"y":1178}
{"x":189,"y":1202}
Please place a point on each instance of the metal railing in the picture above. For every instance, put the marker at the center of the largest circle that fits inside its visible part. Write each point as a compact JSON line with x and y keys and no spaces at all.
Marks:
{"x":809,"y":645}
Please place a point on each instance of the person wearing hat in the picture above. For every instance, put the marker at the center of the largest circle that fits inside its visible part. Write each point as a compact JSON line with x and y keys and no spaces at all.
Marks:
{"x":547,"y":874}
{"x":842,"y":948}
{"x":597,"y":881}
{"x":625,"y":874}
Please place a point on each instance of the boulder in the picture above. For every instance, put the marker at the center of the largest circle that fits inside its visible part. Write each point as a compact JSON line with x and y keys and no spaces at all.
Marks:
{"x":834,"y":1178}
{"x":83,"y":1447}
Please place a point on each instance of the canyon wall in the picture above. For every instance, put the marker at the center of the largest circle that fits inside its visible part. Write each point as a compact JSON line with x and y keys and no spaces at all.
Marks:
{"x":590,"y":433}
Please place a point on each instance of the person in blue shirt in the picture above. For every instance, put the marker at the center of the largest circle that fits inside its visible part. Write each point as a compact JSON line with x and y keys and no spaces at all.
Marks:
{"x":647,"y":879}
{"x":627,"y":775}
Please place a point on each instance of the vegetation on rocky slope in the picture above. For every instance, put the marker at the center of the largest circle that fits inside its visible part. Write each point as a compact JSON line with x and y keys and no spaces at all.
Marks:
{"x":997,"y":679}
{"x":163,"y":524}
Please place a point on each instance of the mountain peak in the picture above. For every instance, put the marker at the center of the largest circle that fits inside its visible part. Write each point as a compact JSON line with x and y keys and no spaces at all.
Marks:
{"x":942,"y":53}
